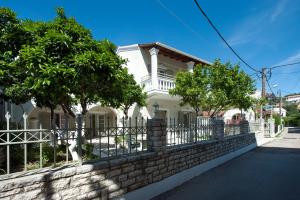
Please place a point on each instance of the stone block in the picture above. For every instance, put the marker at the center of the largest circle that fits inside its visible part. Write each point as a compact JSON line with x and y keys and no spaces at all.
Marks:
{"x":135,"y":173}
{"x":127,"y":182}
{"x":129,"y":168}
{"x":122,"y":177}
{"x":113,"y":173}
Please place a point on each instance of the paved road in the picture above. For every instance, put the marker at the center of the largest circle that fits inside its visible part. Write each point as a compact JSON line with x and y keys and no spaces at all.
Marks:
{"x":268,"y":172}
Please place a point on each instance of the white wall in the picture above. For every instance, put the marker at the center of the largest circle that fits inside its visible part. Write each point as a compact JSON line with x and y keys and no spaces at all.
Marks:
{"x":250,"y":116}
{"x":136,"y":61}
{"x":283,"y":111}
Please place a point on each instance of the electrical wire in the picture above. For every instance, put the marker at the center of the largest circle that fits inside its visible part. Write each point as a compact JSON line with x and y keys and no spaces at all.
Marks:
{"x":170,"y":12}
{"x":270,"y":87}
{"x":220,"y":35}
{"x":284,"y":65}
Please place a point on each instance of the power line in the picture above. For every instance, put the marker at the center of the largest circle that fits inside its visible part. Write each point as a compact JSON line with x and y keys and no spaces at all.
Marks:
{"x":179,"y":19}
{"x":270,"y":87}
{"x":220,"y":35}
{"x":294,"y":72}
{"x":284,"y":65}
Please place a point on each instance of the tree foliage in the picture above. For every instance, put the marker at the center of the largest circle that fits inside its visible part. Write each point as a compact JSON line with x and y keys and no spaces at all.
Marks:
{"x":129,"y":92}
{"x":192,"y":87}
{"x":214,"y":88}
{"x":60,"y":63}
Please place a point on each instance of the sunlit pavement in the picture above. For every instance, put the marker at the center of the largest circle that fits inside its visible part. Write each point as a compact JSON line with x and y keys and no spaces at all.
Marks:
{"x":271,"y":171}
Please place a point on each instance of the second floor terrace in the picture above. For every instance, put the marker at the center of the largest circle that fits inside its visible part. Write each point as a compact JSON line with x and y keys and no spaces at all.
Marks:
{"x":164,"y":63}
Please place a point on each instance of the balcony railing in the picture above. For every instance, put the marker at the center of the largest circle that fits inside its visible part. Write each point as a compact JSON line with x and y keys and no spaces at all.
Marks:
{"x":164,"y":83}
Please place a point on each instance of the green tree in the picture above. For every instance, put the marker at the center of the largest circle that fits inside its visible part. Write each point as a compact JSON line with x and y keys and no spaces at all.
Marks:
{"x":129,"y":92}
{"x":12,"y":37}
{"x":60,"y":63}
{"x":214,"y":88}
{"x":192,"y":87}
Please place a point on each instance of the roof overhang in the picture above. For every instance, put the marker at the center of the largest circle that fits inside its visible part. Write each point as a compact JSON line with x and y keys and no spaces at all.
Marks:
{"x":173,"y":53}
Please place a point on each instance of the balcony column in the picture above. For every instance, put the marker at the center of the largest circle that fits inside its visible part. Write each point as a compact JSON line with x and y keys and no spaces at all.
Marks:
{"x":190,"y":66}
{"x":154,"y":63}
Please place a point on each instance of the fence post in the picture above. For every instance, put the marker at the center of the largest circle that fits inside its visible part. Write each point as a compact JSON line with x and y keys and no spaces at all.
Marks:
{"x":7,"y":116}
{"x":272,"y":127}
{"x":79,"y":137}
{"x":157,"y":134}
{"x":262,"y":126}
{"x":244,"y":127}
{"x":219,"y":128}
{"x":25,"y":116}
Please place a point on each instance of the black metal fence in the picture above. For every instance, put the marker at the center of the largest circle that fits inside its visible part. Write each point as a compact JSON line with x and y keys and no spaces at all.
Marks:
{"x":22,"y":150}
{"x":193,"y":130}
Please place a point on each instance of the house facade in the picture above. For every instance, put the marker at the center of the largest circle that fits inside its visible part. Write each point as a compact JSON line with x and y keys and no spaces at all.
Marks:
{"x":294,"y":98}
{"x":154,"y":65}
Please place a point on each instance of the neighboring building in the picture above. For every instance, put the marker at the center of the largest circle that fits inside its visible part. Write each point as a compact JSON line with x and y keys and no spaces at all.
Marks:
{"x":295,"y":98}
{"x":277,"y":111}
{"x":234,"y":116}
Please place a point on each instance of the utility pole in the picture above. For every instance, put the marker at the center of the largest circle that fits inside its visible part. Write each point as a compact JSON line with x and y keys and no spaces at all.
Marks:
{"x":263,"y":83}
{"x":263,"y":89}
{"x":280,"y":106}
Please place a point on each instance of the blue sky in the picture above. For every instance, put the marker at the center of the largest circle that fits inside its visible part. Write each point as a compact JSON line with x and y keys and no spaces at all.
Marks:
{"x":264,"y":32}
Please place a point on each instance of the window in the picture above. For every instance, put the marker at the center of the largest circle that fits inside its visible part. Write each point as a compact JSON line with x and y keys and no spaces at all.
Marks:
{"x":57,"y":120}
{"x":101,"y":123}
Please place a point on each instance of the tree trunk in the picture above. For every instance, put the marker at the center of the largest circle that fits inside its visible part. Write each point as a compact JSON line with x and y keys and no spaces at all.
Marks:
{"x":52,"y":125}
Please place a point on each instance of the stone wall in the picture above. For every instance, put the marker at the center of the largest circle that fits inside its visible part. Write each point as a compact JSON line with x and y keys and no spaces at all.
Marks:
{"x":113,"y":178}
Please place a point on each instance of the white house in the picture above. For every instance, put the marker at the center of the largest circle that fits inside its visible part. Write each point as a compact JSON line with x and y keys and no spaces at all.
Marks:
{"x":294,"y":98}
{"x":155,"y":65}
{"x":278,"y":110}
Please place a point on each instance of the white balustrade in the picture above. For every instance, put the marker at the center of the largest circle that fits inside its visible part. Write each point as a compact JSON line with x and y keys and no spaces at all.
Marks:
{"x":164,"y":83}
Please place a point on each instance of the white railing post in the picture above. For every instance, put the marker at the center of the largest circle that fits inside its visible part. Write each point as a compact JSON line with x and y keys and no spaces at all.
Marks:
{"x":25,"y":116}
{"x":7,"y":116}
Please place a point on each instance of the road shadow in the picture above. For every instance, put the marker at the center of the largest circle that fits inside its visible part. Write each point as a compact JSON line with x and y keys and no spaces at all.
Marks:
{"x":272,"y":172}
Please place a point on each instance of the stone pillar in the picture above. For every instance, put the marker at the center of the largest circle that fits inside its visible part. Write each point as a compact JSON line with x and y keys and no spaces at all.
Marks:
{"x":219,"y":126}
{"x":154,"y":66}
{"x":271,"y":123}
{"x":157,"y":135}
{"x":244,"y":127}
{"x":262,"y":126}
{"x":190,"y":66}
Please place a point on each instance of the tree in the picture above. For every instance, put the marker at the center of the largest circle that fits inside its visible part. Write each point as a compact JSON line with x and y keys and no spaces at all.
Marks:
{"x":60,"y":63}
{"x":214,"y":88}
{"x":192,"y":87}
{"x":12,"y":37}
{"x":63,"y":65}
{"x":129,"y":92}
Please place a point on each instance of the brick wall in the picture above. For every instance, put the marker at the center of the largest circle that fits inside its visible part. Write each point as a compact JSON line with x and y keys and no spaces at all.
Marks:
{"x":113,"y":178}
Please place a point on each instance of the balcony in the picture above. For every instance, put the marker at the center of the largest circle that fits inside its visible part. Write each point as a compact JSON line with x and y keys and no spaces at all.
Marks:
{"x":164,"y":83}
